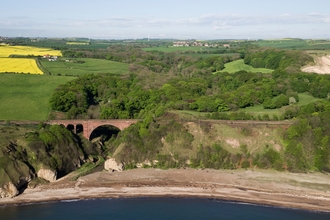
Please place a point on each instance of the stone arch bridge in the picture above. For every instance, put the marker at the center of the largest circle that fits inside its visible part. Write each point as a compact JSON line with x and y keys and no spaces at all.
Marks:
{"x":88,"y":126}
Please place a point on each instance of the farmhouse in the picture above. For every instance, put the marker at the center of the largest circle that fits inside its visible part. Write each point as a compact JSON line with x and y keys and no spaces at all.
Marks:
{"x":50,"y":58}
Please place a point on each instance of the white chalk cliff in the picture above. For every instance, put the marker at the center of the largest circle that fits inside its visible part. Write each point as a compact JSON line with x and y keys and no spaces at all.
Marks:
{"x":111,"y":165}
{"x":47,"y":174}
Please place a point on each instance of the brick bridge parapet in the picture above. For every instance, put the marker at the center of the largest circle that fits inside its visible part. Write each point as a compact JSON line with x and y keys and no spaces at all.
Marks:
{"x":88,"y":126}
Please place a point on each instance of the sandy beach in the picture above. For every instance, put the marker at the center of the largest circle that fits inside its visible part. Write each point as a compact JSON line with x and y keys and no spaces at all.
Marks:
{"x":282,"y":189}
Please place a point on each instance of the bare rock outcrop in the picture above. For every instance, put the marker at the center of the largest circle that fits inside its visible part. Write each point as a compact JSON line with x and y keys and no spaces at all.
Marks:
{"x":8,"y":190}
{"x":111,"y":165}
{"x":47,"y":174}
{"x":322,"y":66}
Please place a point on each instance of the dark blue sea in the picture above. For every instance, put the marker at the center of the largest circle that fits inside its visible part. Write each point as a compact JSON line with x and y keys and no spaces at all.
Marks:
{"x":153,"y":208}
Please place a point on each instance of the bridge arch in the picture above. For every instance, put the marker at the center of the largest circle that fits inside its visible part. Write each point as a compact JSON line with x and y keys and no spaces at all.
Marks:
{"x":79,"y":128}
{"x":71,"y":127}
{"x":102,"y":130}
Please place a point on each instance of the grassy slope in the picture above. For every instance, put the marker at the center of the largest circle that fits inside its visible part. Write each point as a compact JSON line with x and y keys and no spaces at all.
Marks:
{"x":26,"y":97}
{"x":305,"y":99}
{"x":90,"y":66}
{"x":238,"y":65}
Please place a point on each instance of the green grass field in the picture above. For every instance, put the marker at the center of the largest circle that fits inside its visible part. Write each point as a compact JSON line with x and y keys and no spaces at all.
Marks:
{"x":26,"y":97}
{"x":284,"y":44}
{"x":88,"y":67}
{"x":239,"y":65}
{"x":295,"y":44}
{"x":305,"y":99}
{"x":256,"y":110}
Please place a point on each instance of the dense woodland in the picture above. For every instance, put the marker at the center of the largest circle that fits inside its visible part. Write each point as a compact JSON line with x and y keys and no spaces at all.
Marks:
{"x":181,"y":84}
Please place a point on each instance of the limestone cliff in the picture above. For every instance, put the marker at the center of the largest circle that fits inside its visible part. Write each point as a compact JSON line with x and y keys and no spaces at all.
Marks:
{"x":8,"y":190}
{"x":111,"y":165}
{"x":47,"y":174}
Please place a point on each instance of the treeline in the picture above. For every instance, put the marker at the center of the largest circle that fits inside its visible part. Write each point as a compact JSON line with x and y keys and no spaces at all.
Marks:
{"x":277,"y":59}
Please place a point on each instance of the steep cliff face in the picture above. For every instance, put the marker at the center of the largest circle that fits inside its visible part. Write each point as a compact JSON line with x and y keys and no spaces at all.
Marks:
{"x":13,"y":176}
{"x":47,"y":153}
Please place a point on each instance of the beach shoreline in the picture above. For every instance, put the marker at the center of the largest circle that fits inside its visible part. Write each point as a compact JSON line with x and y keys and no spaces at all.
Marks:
{"x":268,"y":188}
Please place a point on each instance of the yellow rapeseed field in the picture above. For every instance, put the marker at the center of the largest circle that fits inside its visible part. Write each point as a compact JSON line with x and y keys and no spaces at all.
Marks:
{"x":19,"y":65}
{"x":23,"y":65}
{"x":6,"y":51}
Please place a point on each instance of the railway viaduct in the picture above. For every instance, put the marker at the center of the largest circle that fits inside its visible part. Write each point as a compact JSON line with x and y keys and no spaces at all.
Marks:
{"x":88,"y":126}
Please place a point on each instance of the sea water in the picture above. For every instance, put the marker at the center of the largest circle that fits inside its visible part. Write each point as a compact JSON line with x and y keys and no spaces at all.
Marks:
{"x":152,"y":208}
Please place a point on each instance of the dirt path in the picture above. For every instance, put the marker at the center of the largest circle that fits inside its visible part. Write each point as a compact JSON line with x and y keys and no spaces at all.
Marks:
{"x":304,"y":191}
{"x":322,"y":66}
